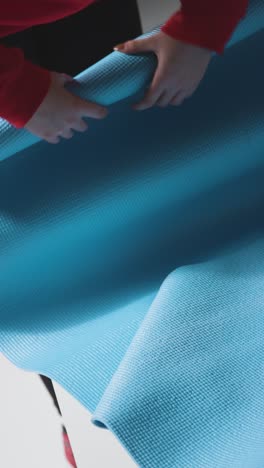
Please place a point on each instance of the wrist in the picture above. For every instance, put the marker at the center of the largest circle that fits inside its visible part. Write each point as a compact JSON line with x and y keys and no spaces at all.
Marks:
{"x":24,"y":96}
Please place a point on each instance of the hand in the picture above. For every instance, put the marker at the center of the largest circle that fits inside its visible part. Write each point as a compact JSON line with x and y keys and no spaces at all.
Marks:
{"x":61,"y":112}
{"x":181,"y":67}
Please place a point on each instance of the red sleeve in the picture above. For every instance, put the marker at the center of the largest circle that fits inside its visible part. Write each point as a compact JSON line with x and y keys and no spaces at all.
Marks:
{"x":23,"y":86}
{"x":206,"y":23}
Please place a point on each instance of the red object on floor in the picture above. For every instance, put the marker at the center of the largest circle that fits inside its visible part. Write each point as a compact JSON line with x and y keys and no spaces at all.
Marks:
{"x":68,"y":450}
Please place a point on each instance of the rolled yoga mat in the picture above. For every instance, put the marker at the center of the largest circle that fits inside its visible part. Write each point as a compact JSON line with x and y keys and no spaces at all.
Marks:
{"x":132,"y":260}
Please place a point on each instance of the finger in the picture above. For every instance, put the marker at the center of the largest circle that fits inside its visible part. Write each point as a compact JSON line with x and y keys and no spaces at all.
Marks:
{"x":67,"y":134}
{"x":90,"y":109}
{"x":165,"y":99}
{"x":178,"y":99}
{"x":155,"y":90}
{"x":150,"y":99}
{"x":153,"y":94}
{"x":189,"y":93}
{"x":52,"y":140}
{"x":136,"y":47}
{"x":80,"y":126}
{"x":65,"y":79}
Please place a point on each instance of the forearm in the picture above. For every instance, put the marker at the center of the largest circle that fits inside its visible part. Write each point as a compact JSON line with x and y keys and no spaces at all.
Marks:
{"x":23,"y":86}
{"x":206,"y":23}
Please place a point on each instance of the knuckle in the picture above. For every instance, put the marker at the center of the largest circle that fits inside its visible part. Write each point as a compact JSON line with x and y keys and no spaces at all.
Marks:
{"x":70,"y":122}
{"x":47,"y":136}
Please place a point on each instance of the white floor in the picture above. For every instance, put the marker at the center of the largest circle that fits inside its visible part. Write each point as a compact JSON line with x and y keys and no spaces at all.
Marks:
{"x":30,"y":435}
{"x":93,"y":447}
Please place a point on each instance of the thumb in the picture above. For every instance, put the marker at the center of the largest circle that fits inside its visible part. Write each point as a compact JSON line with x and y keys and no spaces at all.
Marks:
{"x":136,"y":47}
{"x":64,"y":79}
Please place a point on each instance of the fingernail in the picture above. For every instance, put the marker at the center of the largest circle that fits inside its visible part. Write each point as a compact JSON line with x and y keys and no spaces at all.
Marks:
{"x":119,"y":47}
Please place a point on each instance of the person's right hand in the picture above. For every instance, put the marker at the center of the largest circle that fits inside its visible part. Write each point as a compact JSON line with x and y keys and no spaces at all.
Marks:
{"x":61,"y":112}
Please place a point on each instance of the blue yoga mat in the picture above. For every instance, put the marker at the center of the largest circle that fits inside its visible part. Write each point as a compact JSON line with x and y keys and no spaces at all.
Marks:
{"x":132,"y":260}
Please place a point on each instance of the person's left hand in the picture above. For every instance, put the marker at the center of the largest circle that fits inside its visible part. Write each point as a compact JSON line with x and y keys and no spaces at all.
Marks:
{"x":181,"y":67}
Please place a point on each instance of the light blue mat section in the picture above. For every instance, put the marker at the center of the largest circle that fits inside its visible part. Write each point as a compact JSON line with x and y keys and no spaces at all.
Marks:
{"x":132,"y":261}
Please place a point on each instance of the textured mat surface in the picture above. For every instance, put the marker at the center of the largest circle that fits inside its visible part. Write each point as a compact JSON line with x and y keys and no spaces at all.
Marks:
{"x":132,"y":260}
